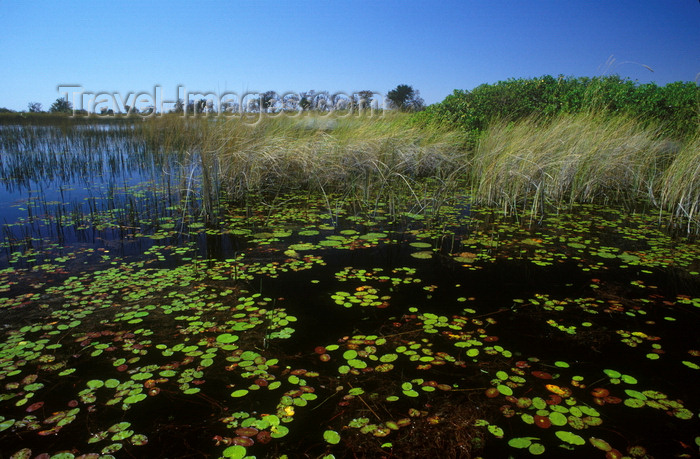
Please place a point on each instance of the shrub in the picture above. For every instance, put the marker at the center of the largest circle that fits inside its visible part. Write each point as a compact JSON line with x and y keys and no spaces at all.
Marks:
{"x":676,"y":105}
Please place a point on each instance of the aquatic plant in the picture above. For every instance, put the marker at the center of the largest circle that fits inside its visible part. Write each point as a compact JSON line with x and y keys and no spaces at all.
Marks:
{"x":573,"y":158}
{"x":680,"y":183}
{"x":335,"y":324}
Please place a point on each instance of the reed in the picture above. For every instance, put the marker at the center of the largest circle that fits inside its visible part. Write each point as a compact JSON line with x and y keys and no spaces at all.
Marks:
{"x":362,"y":160}
{"x":679,"y":185}
{"x":532,"y":165}
{"x":572,"y":158}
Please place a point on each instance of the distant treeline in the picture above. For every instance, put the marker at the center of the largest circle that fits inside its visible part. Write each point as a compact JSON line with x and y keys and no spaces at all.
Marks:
{"x":675,"y":107}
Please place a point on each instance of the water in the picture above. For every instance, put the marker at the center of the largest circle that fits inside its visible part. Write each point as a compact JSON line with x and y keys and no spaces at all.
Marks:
{"x":124,"y":303}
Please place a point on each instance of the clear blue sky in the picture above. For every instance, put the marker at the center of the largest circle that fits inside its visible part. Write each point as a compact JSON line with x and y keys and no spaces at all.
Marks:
{"x":436,"y":47}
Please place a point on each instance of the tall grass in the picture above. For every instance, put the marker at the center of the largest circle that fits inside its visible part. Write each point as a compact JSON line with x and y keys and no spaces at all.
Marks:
{"x":533,"y":164}
{"x":680,"y":183}
{"x":572,"y":158}
{"x":360,"y":160}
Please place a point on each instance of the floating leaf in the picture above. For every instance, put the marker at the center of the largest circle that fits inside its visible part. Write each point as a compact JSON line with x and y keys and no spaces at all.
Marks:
{"x":505,"y":390}
{"x":635,"y":394}
{"x":235,"y":452}
{"x":558,"y":419}
{"x":134,"y":399}
{"x":139,"y":440}
{"x":24,"y":453}
{"x":495,"y":431}
{"x":600,"y":444}
{"x":521,"y":442}
{"x":569,"y":437}
{"x":278,"y":431}
{"x":331,"y":436}
{"x":6,"y":424}
{"x":612,"y":373}
{"x":227,"y":338}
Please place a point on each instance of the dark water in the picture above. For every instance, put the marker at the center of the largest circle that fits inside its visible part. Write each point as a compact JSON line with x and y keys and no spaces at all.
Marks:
{"x":95,"y":199}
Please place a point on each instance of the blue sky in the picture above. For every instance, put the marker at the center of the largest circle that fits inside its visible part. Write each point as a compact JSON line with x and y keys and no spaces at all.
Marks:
{"x":436,"y":47}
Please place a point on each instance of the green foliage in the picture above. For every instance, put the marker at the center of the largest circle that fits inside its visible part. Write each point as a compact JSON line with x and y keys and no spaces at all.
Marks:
{"x":405,"y":98}
{"x":34,"y":107}
{"x":676,"y":106}
{"x":61,"y":106}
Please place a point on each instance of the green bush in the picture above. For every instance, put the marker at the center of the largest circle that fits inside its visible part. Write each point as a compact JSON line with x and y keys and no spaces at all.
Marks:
{"x":675,"y":107}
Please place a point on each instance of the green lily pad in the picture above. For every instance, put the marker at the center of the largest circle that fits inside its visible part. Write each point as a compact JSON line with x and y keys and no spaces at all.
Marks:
{"x":134,"y":399}
{"x":227,"y":338}
{"x":235,"y":452}
{"x":521,"y":442}
{"x":278,"y":431}
{"x":570,"y":438}
{"x":505,"y":390}
{"x":6,"y":424}
{"x":331,"y":436}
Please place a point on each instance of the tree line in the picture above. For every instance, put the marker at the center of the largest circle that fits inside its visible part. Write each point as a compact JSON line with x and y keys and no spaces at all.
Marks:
{"x":403,"y":98}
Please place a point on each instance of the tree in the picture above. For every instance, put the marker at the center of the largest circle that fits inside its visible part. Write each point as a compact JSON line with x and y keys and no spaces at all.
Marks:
{"x":61,"y":106}
{"x":179,"y":106}
{"x":267,"y":100}
{"x":405,"y":98}
{"x":34,"y":107}
{"x":290,"y":102}
{"x":201,"y":106}
{"x":363,"y":99}
{"x":305,"y":102}
{"x":321,"y":101}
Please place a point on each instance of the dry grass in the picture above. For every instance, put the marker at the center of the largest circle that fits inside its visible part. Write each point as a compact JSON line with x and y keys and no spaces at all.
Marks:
{"x":679,"y":185}
{"x":529,"y":165}
{"x":573,"y":158}
{"x":365,"y":161}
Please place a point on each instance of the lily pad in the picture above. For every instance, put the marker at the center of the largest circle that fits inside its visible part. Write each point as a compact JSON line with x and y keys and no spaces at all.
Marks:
{"x":331,"y":436}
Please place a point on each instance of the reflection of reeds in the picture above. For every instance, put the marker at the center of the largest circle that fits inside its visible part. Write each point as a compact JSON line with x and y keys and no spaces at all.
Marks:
{"x":573,"y":158}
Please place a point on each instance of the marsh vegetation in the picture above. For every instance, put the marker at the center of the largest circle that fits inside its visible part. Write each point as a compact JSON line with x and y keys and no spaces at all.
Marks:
{"x":450,"y":282}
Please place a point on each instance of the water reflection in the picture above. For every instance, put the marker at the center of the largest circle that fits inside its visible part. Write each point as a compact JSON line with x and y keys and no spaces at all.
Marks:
{"x":71,"y":185}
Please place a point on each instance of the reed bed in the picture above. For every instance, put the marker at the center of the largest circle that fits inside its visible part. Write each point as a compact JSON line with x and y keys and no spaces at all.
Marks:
{"x":572,"y":158}
{"x":679,"y":184}
{"x":359,"y":160}
{"x":531,"y":165}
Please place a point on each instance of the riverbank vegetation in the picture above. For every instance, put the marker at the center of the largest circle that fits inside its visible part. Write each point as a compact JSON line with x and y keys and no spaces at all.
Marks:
{"x":535,"y":145}
{"x":346,"y":285}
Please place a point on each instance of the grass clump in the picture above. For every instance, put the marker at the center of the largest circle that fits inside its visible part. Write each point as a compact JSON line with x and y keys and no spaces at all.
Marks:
{"x":363,"y":161}
{"x":680,"y":183}
{"x":572,"y":158}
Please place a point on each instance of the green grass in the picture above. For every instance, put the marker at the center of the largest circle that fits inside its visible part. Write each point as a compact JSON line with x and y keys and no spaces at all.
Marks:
{"x":533,"y":164}
{"x":361,"y":159}
{"x":679,"y":184}
{"x":572,"y":158}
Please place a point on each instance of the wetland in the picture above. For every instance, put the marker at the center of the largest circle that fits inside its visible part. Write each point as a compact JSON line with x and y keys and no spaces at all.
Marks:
{"x":202,"y":288}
